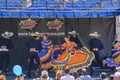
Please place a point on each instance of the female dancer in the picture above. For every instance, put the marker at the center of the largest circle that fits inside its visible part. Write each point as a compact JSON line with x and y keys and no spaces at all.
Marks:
{"x":46,"y":53}
{"x":73,"y":58}
{"x":115,"y":59}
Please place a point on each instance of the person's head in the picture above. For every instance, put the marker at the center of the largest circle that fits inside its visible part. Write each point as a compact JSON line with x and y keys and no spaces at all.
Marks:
{"x":44,"y":74}
{"x":19,"y":78}
{"x":66,"y":70}
{"x":117,"y":44}
{"x":84,"y":71}
{"x":103,"y":75}
{"x":111,"y":77}
{"x":66,"y":39}
{"x":7,"y":34}
{"x":75,"y":74}
{"x":118,"y":69}
{"x":45,"y":36}
{"x":58,"y":74}
{"x":116,"y":37}
{"x":36,"y":37}
{"x":2,"y":77}
{"x":116,"y":76}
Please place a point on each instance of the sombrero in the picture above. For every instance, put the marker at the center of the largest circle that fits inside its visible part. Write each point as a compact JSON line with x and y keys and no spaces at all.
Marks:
{"x":35,"y":34}
{"x":73,"y":32}
{"x":6,"y":33}
{"x":94,"y":34}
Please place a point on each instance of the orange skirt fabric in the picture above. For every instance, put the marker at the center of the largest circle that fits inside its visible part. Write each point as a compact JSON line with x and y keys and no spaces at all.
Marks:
{"x":81,"y":59}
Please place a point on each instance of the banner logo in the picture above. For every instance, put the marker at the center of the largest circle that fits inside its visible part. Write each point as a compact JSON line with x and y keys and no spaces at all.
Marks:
{"x":55,"y":25}
{"x":28,"y":24}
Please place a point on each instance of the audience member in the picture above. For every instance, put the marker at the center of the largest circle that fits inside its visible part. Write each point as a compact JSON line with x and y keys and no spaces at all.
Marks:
{"x":44,"y":76}
{"x":76,"y":75}
{"x":111,"y":77}
{"x":2,"y":77}
{"x":58,"y":75}
{"x":103,"y":76}
{"x":19,"y":78}
{"x":118,"y":69}
{"x":116,"y":76}
{"x":85,"y":76}
{"x":67,"y":75}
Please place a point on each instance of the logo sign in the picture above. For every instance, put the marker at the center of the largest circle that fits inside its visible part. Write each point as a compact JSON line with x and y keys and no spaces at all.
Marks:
{"x":28,"y":24}
{"x":55,"y":25}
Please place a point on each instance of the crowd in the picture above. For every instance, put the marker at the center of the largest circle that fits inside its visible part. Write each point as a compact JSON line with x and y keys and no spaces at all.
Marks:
{"x":67,"y":74}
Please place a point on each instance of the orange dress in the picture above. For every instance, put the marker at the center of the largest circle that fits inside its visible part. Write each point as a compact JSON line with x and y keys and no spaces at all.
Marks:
{"x":73,"y":58}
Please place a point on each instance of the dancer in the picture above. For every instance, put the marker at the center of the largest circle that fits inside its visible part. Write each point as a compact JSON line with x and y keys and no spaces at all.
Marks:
{"x":114,"y":61}
{"x":74,"y":38}
{"x":113,"y":43}
{"x":34,"y":46}
{"x":96,"y":45}
{"x":5,"y":46}
{"x":46,"y":53}
{"x":73,"y":58}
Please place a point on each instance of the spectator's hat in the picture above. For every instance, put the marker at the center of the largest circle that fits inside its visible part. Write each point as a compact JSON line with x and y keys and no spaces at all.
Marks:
{"x":103,"y":74}
{"x":95,"y":34}
{"x":6,"y":33}
{"x":35,"y":34}
{"x":44,"y":73}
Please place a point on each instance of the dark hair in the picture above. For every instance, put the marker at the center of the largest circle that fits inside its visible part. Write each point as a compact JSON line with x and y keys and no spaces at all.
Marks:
{"x":66,"y":70}
{"x":75,"y":74}
{"x":35,"y":36}
{"x":44,"y":76}
{"x":111,"y":77}
{"x":45,"y":35}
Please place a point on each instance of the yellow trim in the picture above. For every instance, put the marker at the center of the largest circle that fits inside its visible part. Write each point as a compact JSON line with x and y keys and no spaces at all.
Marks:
{"x":79,"y":63}
{"x":87,"y":49}
{"x":83,"y":62}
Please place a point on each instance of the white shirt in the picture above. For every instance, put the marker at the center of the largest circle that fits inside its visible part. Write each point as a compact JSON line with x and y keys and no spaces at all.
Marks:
{"x":86,"y":77}
{"x":67,"y":77}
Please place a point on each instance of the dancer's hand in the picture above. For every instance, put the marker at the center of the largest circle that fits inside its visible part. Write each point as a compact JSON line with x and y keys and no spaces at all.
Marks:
{"x":95,"y":49}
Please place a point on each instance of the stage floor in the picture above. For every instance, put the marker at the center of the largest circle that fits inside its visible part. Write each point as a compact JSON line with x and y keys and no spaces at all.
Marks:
{"x":95,"y":76}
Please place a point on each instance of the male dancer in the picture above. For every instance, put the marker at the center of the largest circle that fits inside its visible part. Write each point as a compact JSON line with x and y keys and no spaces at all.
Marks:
{"x":34,"y":46}
{"x":74,"y":38}
{"x":5,"y":46}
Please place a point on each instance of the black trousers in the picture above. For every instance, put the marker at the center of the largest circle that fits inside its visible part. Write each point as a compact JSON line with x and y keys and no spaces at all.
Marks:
{"x":33,"y":56}
{"x":98,"y":58}
{"x":4,"y":61}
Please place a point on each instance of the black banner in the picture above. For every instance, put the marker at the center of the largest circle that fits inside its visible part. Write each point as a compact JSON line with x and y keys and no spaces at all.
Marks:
{"x":19,"y":54}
